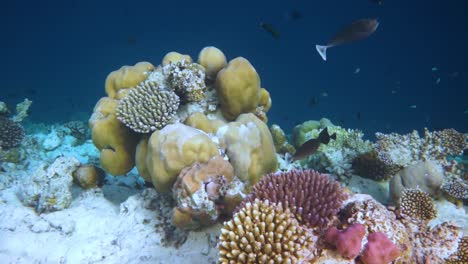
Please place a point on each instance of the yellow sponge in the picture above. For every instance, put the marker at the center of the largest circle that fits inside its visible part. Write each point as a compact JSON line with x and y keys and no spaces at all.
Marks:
{"x":238,"y":87}
{"x":115,"y":141}
{"x":127,"y":77}
{"x":173,"y":148}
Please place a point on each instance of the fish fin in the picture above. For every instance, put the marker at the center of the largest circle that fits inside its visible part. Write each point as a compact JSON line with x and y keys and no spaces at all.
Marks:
{"x":324,"y":137}
{"x":322,"y":50}
{"x":333,"y":136}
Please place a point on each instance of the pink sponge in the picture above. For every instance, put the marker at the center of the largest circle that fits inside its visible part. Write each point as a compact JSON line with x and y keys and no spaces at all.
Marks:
{"x":348,"y":241}
{"x":379,"y":249}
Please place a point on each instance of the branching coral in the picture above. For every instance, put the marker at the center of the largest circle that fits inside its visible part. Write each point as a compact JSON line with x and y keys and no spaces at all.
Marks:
{"x":11,"y":133}
{"x":262,"y":232}
{"x":187,"y":79}
{"x":147,"y":108}
{"x":403,"y":150}
{"x":417,"y":204}
{"x":313,"y":198}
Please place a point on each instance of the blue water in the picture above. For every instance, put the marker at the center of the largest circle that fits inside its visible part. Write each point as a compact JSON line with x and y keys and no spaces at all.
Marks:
{"x":58,"y":54}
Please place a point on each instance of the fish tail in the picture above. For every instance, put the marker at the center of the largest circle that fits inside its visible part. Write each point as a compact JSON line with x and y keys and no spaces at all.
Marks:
{"x":322,"y":50}
{"x":333,"y":136}
{"x":324,"y":137}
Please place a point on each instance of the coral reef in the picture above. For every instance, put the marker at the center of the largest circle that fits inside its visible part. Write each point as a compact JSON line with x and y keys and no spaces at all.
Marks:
{"x":417,"y":204}
{"x":368,"y":165}
{"x":280,"y":140}
{"x":201,"y":193}
{"x":186,"y":79}
{"x":22,"y":110}
{"x":262,"y":232}
{"x":147,"y":107}
{"x":48,"y":189}
{"x":213,"y":59}
{"x":456,"y":188}
{"x":347,"y":241}
{"x":425,"y":175}
{"x":88,"y":176}
{"x":337,"y":156}
{"x":461,"y":256}
{"x":117,"y":82}
{"x":11,"y":133}
{"x":379,"y":249}
{"x":313,"y":198}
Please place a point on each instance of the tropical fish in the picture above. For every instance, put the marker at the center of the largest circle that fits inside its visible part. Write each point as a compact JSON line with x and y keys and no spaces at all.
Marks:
{"x":324,"y":94}
{"x":434,"y":69}
{"x":357,"y":30}
{"x":293,"y":15}
{"x":377,"y":1}
{"x":438,"y":80}
{"x":412,"y":106}
{"x":311,"y":146}
{"x":313,"y":101}
{"x":270,"y":29}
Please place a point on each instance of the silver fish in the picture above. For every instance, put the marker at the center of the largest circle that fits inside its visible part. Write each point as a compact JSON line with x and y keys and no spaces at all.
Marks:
{"x":359,"y":29}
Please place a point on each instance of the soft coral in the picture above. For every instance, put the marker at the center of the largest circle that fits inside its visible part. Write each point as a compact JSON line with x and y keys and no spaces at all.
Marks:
{"x":379,"y":249}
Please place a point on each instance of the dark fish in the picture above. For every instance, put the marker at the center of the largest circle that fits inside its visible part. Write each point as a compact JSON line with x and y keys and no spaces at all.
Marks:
{"x":293,"y":15}
{"x":358,"y":115}
{"x":131,"y":40}
{"x":270,"y":29}
{"x":379,"y":2}
{"x":359,"y":29}
{"x":313,"y":101}
{"x":311,"y":146}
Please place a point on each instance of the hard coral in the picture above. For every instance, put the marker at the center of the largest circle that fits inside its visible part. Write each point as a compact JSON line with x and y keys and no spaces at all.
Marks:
{"x":456,"y":188}
{"x":461,"y":256}
{"x":417,"y":204}
{"x":11,"y":133}
{"x":348,"y":241}
{"x":127,"y":77}
{"x":313,"y":198}
{"x":147,"y":108}
{"x":213,"y":59}
{"x":369,"y":166}
{"x":186,"y":79}
{"x":262,"y":232}
{"x":379,"y":249}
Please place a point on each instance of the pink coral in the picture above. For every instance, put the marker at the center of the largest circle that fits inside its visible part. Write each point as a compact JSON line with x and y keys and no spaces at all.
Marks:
{"x":379,"y":249}
{"x":348,"y":241}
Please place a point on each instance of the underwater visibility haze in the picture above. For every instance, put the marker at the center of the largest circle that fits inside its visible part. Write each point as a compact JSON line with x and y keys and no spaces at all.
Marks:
{"x":234,"y":132}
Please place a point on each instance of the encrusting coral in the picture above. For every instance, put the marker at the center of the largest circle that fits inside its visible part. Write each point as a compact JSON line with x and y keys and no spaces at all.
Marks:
{"x":203,"y":193}
{"x":262,"y":232}
{"x":11,"y":133}
{"x":313,"y":198}
{"x":147,"y":107}
{"x":186,"y":79}
{"x":417,"y":204}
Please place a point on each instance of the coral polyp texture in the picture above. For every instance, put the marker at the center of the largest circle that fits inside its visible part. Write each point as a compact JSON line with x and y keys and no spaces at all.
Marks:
{"x":11,"y":133}
{"x":262,"y":232}
{"x":456,"y":188}
{"x":147,"y":107}
{"x":403,"y":150}
{"x":313,"y":198}
{"x":187,"y":79}
{"x":461,"y":256}
{"x":417,"y":204}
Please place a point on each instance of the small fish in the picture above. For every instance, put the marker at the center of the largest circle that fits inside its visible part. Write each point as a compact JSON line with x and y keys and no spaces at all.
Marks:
{"x":270,"y":29}
{"x":438,"y":80}
{"x":357,"y":70}
{"x":454,"y":74}
{"x":434,"y":69}
{"x":466,"y":112}
{"x":357,"y":30}
{"x":311,"y":146}
{"x":358,"y":115}
{"x":379,"y":2}
{"x":313,"y":101}
{"x":293,"y":15}
{"x":394,"y":91}
{"x":412,"y":106}
{"x":324,"y":94}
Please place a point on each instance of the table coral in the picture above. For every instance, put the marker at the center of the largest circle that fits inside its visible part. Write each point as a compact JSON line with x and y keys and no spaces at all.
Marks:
{"x":313,"y":198}
{"x":262,"y":232}
{"x":147,"y":107}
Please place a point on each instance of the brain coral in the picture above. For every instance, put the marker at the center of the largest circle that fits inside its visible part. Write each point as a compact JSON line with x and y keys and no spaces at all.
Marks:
{"x":262,"y":232}
{"x":147,"y":108}
{"x":11,"y":133}
{"x":313,"y":198}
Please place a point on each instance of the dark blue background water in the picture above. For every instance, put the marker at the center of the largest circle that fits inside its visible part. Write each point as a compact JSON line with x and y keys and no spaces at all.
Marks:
{"x":58,"y":54}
